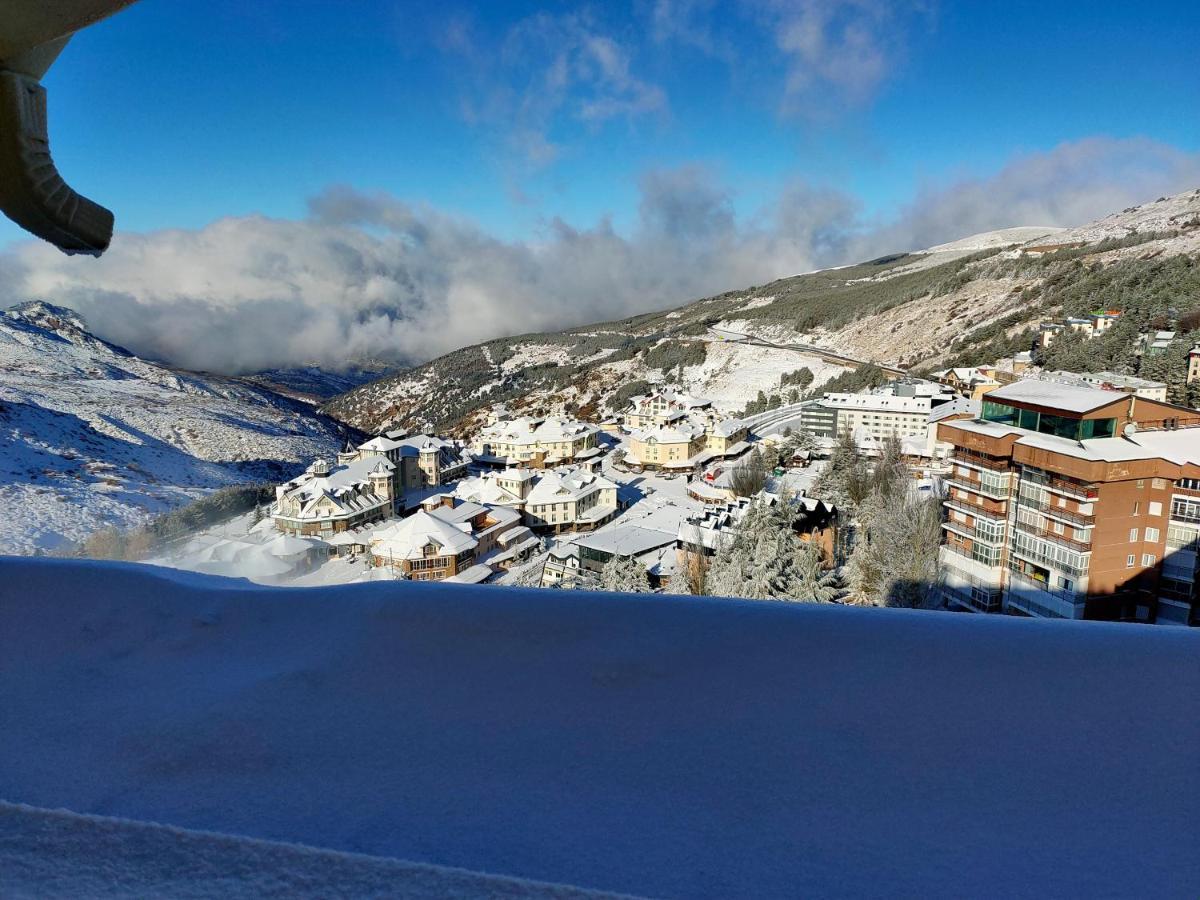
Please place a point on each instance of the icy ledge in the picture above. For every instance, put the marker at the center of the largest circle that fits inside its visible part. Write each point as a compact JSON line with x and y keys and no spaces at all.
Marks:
{"x":649,"y":745}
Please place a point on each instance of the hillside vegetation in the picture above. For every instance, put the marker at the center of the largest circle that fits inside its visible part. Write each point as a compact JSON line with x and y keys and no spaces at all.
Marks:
{"x":914,"y":310}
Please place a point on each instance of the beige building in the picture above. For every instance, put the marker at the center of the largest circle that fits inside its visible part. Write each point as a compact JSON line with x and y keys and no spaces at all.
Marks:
{"x":536,"y":442}
{"x":329,"y":499}
{"x":367,"y":484}
{"x":686,"y":442}
{"x":666,"y":407}
{"x":443,"y":539}
{"x":666,"y":447}
{"x":570,"y":501}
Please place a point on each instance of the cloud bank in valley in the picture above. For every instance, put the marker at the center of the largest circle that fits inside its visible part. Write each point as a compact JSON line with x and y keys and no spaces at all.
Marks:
{"x":368,"y":276}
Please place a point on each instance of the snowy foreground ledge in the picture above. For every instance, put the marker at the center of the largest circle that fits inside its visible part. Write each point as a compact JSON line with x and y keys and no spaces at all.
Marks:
{"x":642,"y":744}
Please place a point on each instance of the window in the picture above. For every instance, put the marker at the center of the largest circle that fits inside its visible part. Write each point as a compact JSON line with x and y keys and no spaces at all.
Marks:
{"x":1137,"y":507}
{"x":1141,"y":483}
{"x":1152,"y":535}
{"x":1133,"y":535}
{"x":1130,"y":561}
{"x":1155,"y":509}
{"x":1148,"y":559}
{"x":1059,"y":528}
{"x":1159,"y":484}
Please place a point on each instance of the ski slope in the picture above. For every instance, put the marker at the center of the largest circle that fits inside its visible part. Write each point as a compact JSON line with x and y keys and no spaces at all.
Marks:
{"x":658,"y":746}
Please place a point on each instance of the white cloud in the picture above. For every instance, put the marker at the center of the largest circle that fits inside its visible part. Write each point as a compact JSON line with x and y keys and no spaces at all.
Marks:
{"x":545,"y":76}
{"x":371,"y":276}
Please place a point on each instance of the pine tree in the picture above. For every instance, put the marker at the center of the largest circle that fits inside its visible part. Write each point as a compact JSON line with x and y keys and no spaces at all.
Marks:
{"x":624,"y":574}
{"x":840,"y":482}
{"x":678,"y":582}
{"x":765,"y":561}
{"x":895,"y":562}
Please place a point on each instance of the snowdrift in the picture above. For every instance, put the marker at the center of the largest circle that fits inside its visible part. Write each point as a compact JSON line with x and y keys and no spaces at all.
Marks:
{"x":55,"y":853}
{"x":641,"y":744}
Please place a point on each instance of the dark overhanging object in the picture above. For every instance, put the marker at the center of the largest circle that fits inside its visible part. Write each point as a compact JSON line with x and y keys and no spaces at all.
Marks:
{"x":32,"y":193}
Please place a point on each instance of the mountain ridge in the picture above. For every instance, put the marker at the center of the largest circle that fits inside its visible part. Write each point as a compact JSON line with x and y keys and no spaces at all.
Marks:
{"x":979,"y":293}
{"x":96,"y":436}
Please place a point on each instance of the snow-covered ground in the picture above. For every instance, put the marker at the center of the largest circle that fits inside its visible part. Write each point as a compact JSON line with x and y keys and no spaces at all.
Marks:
{"x":59,"y":854}
{"x":655,"y":745}
{"x":93,"y":436}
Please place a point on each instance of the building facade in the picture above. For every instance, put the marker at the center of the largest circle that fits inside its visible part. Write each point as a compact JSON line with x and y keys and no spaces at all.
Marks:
{"x":536,"y":442}
{"x":1070,"y":502}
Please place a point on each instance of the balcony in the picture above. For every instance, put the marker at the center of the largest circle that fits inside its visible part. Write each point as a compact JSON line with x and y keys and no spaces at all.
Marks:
{"x":971,"y":458}
{"x":998,"y":492}
{"x":1050,"y":562}
{"x":1075,"y":489}
{"x":990,"y":562}
{"x":993,"y":508}
{"x":974,"y":599}
{"x":1084,"y":520}
{"x":1060,"y":539}
{"x":1035,"y":597}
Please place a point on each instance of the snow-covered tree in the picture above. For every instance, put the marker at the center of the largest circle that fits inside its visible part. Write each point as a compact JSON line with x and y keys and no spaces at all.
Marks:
{"x":678,"y":582}
{"x":815,"y":581}
{"x":624,"y":574}
{"x":749,"y":476}
{"x":765,"y":561}
{"x":895,"y":562}
{"x":840,"y":481}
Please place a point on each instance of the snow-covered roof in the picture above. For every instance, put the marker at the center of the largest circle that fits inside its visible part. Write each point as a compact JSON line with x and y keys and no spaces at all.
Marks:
{"x":879,"y":402}
{"x":532,"y":430}
{"x":567,"y":484}
{"x":1067,"y":397}
{"x":679,"y":432}
{"x":626,"y":540}
{"x":407,"y":538}
{"x":476,"y":574}
{"x":956,"y":407}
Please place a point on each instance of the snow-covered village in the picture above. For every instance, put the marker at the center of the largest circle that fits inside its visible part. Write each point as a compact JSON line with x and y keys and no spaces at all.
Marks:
{"x":652,"y":448}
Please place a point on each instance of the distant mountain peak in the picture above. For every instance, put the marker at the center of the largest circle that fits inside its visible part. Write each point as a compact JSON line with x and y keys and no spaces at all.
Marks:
{"x":47,"y":316}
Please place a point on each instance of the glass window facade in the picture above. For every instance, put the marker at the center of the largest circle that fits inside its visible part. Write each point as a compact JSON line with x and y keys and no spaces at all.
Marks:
{"x":1046,"y":423}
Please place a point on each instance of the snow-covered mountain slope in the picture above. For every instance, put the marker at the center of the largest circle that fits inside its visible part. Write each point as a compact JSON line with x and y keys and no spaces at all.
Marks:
{"x":1166,"y":214}
{"x":910,"y":308}
{"x":661,"y":746}
{"x":314,"y":384}
{"x":92,"y":435}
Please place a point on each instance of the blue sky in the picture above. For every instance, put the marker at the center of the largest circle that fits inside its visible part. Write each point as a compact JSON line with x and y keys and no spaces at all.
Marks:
{"x":399,"y":179}
{"x":177,"y":113}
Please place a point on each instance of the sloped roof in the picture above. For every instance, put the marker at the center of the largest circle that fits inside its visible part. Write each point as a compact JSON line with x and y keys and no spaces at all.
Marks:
{"x":408,"y":537}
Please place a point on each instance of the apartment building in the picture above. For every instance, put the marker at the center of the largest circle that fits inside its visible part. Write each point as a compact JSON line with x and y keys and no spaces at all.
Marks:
{"x":536,"y":442}
{"x":564,"y":499}
{"x":666,"y":447}
{"x":572,"y":500}
{"x":326,"y":500}
{"x":444,"y":538}
{"x":419,"y":461}
{"x":666,"y":407}
{"x":1068,"y":501}
{"x":898,"y":411}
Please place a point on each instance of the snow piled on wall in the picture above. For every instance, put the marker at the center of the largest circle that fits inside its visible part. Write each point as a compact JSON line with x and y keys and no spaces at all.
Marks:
{"x":654,"y":745}
{"x":55,"y":853}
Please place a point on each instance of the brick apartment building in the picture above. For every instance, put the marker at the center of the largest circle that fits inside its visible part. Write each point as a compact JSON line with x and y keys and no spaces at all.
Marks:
{"x":1074,"y":502}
